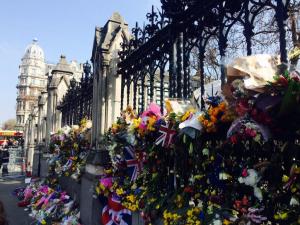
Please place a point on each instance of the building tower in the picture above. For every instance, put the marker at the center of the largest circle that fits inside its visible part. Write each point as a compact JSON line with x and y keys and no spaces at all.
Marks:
{"x":32,"y":81}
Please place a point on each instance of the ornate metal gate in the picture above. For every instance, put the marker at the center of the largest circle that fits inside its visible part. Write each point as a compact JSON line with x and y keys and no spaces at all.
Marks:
{"x":162,"y":47}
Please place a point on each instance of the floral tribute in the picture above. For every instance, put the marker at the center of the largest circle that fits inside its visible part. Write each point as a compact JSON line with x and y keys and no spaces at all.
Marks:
{"x":48,"y":205}
{"x":69,"y":148}
{"x":210,"y":167}
{"x":45,"y":200}
{"x":216,"y":114}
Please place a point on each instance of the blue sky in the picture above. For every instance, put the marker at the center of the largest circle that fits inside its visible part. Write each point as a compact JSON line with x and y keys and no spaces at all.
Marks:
{"x":61,"y":26}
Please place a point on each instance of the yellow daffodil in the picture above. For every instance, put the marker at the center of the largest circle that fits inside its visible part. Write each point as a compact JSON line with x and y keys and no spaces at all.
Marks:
{"x":119,"y":191}
{"x":136,"y":122}
{"x":285,"y":178}
{"x":130,"y":198}
{"x":187,"y":114}
{"x":150,"y":124}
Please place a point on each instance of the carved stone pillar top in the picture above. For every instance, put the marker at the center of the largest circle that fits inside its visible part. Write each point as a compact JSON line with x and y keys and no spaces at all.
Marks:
{"x":97,"y":160}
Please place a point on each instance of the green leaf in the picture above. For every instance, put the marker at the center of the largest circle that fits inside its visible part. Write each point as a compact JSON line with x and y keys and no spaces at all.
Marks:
{"x":191,"y":148}
{"x":184,"y":138}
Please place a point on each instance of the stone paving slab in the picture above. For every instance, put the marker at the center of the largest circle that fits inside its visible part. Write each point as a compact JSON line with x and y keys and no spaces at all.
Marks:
{"x":15,"y":214}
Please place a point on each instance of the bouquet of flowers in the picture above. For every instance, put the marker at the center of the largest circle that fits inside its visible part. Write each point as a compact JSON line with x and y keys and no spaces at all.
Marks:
{"x":216,"y":114}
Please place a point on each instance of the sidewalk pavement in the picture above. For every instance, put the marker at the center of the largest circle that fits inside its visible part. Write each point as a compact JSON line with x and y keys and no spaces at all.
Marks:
{"x":15,"y":214}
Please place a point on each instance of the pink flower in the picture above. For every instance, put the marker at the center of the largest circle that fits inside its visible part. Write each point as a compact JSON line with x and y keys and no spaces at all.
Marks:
{"x":250,"y":132}
{"x":106,"y":182}
{"x":153,"y":109}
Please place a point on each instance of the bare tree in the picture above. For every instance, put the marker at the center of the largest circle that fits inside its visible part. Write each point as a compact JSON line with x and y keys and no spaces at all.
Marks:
{"x":9,"y":124}
{"x":265,"y":40}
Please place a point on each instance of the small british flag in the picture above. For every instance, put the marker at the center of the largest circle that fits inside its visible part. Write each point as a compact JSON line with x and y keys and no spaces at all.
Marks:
{"x":134,"y":162}
{"x":167,"y":135}
{"x":115,"y":214}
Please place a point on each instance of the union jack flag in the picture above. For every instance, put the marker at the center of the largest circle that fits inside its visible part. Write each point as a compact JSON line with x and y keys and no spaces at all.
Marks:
{"x":134,"y":162}
{"x":167,"y":135}
{"x":115,"y":215}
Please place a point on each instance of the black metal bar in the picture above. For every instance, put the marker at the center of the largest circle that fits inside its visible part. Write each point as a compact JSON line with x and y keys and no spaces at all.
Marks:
{"x":162,"y":84}
{"x":201,"y":49}
{"x":152,"y":76}
{"x":186,"y":72}
{"x":134,"y":93}
{"x":81,"y":97}
{"x":122,"y":91}
{"x":281,"y":18}
{"x":172,"y":70}
{"x":248,"y":28}
{"x":222,"y":45}
{"x":128,"y":91}
{"x":143,"y":92}
{"x":179,"y":65}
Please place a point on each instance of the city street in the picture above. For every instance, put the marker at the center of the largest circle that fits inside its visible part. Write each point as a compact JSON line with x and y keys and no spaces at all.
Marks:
{"x":15,"y":214}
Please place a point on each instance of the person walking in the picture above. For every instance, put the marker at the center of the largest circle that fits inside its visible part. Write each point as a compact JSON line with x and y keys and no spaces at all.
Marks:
{"x":5,"y":161}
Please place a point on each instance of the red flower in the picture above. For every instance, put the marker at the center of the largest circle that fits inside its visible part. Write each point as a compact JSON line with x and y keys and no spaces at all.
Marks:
{"x":188,"y":189}
{"x":250,"y":132}
{"x":245,"y":173}
{"x":234,"y":139}
{"x":241,"y":205}
{"x":245,"y":201}
{"x":282,"y":80}
{"x":242,"y":107}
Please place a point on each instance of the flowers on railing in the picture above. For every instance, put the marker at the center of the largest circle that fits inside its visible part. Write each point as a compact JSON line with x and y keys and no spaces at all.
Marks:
{"x":211,"y":167}
{"x":69,"y":148}
{"x":216,"y":114}
{"x":246,"y":129}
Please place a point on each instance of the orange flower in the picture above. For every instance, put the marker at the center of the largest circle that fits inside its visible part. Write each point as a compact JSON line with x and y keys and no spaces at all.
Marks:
{"x":213,"y":119}
{"x":215,"y":111}
{"x":222,"y":106}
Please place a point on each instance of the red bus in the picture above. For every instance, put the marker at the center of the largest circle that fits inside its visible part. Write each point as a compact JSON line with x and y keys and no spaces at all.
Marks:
{"x":13,"y":136}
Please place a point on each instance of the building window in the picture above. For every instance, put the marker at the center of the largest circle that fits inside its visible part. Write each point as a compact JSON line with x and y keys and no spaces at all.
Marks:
{"x":19,"y":119}
{"x":31,"y":106}
{"x":23,"y":81}
{"x":22,"y":91}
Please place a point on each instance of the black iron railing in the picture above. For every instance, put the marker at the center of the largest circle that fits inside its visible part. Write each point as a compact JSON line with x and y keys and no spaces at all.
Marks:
{"x":77,"y":102}
{"x":177,"y":28}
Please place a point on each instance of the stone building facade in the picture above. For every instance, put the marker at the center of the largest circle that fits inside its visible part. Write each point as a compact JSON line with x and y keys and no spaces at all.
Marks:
{"x":58,"y":84}
{"x":32,"y":81}
{"x":107,"y":82}
{"x":41,"y":87}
